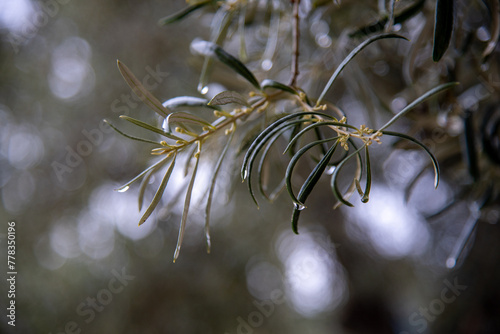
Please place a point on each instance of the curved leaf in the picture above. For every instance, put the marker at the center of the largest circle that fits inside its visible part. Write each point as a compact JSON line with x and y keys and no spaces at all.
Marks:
{"x":293,"y":162}
{"x":349,"y":57}
{"x":212,"y":189}
{"x":335,"y":174}
{"x":435,"y":163}
{"x":309,"y":184}
{"x":417,"y":101}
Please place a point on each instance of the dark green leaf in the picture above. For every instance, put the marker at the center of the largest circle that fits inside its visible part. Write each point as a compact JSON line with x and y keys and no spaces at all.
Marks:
{"x":406,"y":14}
{"x":335,"y":174}
{"x":183,"y":13}
{"x":350,"y":57}
{"x":434,"y":161}
{"x":293,"y":162}
{"x":213,"y":50}
{"x":366,"y":194}
{"x":443,"y":27}
{"x":278,"y":85}
{"x":309,"y":185}
{"x":417,"y":101}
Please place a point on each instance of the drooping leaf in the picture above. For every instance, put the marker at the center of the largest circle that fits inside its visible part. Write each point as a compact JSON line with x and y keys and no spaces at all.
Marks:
{"x":141,"y":91}
{"x":293,"y":162}
{"x":313,"y":126}
{"x":212,"y":189}
{"x":182,"y":13}
{"x":434,"y":161}
{"x":263,"y":135}
{"x":185,"y":211}
{"x":349,"y":57}
{"x":159,"y":192}
{"x":227,"y":97}
{"x":213,"y":50}
{"x":309,"y":184}
{"x":258,"y":148}
{"x":335,"y":174}
{"x":366,"y":194}
{"x":417,"y":101}
{"x":443,"y":28}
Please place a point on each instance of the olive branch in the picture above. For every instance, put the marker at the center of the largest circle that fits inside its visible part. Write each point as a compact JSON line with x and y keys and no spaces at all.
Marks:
{"x":307,"y":126}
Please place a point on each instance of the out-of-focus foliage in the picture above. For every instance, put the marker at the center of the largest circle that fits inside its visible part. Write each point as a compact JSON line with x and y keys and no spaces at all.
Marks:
{"x":226,"y":83}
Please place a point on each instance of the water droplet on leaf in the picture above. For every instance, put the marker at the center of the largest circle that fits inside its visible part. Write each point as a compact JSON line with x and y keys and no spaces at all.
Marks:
{"x":299,"y":207}
{"x":124,"y":189}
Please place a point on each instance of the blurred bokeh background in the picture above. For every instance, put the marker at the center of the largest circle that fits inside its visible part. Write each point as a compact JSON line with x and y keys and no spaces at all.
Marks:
{"x":84,"y":266}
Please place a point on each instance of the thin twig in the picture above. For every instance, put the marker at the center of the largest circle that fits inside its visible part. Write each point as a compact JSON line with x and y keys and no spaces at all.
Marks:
{"x":295,"y":46}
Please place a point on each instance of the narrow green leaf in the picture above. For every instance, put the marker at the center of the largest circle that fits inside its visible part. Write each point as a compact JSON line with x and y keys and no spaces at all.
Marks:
{"x":406,"y":14}
{"x":310,"y":183}
{"x":220,"y":25}
{"x":159,"y":192}
{"x":141,"y":91}
{"x":293,"y":162}
{"x":443,"y":28}
{"x":257,"y":141}
{"x":213,"y":50}
{"x":183,"y":13}
{"x":258,"y":148}
{"x":185,"y":211}
{"x":335,"y":174}
{"x":350,"y":57}
{"x":227,"y":97}
{"x":263,"y":157}
{"x":212,"y":189}
{"x":185,"y":101}
{"x":313,"y":126}
{"x":366,"y":194}
{"x":278,"y":85}
{"x":138,"y":177}
{"x":131,"y":137}
{"x":434,"y":161}
{"x":470,"y":145}
{"x":417,"y":101}
{"x":149,"y":127}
